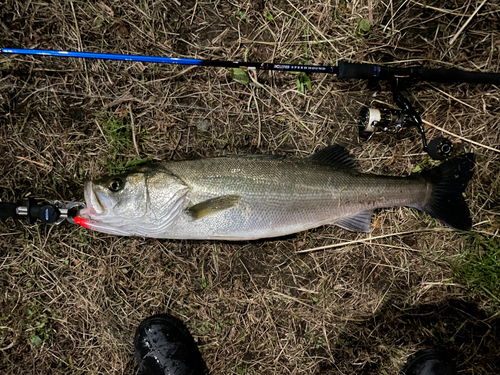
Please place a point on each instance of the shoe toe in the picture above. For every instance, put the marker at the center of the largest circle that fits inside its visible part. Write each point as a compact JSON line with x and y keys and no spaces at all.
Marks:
{"x":163,"y":345}
{"x":429,"y":362}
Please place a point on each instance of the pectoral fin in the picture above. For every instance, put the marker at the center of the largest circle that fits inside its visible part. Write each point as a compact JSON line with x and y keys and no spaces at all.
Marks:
{"x":358,"y":223}
{"x":213,"y":206}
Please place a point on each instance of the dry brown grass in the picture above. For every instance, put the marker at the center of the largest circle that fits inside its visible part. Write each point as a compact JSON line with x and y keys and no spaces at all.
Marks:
{"x":255,"y":308}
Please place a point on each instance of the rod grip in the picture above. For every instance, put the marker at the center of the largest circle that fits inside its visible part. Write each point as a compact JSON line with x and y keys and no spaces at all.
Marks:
{"x":458,"y":76}
{"x":349,"y":70}
{"x":372,"y":71}
{"x":9,"y":210}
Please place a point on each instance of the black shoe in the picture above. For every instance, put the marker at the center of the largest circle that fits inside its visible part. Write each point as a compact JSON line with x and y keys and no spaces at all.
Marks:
{"x":164,"y":346}
{"x":429,"y":362}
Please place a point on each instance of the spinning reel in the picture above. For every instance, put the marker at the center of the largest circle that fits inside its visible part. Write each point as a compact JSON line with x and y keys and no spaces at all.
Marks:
{"x":387,"y":120}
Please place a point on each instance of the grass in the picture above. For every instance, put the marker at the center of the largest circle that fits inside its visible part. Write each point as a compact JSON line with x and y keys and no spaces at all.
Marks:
{"x":258,"y":307}
{"x":118,"y":135}
{"x":479,"y":269}
{"x":37,"y":325}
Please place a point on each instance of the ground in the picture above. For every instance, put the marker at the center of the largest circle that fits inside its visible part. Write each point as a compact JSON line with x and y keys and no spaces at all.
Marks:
{"x":71,"y":298}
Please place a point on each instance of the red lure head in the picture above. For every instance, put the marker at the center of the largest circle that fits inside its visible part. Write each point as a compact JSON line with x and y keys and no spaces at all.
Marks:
{"x":83,"y":222}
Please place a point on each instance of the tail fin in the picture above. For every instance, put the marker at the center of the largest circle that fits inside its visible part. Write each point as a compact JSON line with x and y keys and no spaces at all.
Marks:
{"x":449,"y":181}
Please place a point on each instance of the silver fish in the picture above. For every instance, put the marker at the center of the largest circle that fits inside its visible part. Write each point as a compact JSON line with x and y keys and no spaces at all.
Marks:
{"x":250,"y":197}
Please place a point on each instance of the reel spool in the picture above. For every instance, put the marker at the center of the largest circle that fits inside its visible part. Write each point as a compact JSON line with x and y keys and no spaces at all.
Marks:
{"x":373,"y":120}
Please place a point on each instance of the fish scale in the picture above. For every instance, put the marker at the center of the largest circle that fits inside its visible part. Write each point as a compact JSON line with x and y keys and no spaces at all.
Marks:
{"x":283,"y":197}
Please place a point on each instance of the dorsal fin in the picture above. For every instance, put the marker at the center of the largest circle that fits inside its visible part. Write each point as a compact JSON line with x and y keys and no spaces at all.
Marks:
{"x":334,"y":156}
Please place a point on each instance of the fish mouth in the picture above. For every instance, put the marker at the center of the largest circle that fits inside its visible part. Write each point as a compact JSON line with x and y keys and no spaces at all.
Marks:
{"x":95,"y":212}
{"x":94,"y":206}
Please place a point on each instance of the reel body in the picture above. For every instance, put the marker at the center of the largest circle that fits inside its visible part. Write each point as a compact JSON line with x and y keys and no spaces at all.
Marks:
{"x":389,"y":120}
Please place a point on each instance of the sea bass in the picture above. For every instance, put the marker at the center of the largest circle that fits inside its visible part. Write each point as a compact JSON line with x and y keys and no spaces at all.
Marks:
{"x":247,"y":197}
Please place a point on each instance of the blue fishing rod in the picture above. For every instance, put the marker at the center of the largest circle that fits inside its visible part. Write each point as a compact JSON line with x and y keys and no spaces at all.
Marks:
{"x":345,"y":70}
{"x":371,"y":120}
{"x":175,"y":61}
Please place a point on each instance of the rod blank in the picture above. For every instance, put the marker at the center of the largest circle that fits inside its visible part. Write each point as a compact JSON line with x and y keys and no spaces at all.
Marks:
{"x":172,"y":60}
{"x":104,"y":56}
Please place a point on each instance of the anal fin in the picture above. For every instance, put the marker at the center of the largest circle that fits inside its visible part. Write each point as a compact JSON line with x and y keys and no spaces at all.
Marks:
{"x":357,"y":223}
{"x":213,"y":206}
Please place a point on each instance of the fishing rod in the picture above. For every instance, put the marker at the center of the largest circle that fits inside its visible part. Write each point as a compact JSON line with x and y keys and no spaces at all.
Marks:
{"x":345,"y":70}
{"x":371,"y":120}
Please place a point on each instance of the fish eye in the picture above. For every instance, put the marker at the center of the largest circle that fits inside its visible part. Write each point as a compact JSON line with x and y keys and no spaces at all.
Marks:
{"x":115,"y":184}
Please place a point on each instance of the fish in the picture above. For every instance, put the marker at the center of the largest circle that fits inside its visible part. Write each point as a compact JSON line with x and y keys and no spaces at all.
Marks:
{"x":248,"y":197}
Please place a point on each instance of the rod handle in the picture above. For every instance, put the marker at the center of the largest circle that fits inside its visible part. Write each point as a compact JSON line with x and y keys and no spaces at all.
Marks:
{"x":458,"y":76}
{"x":349,"y":70}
